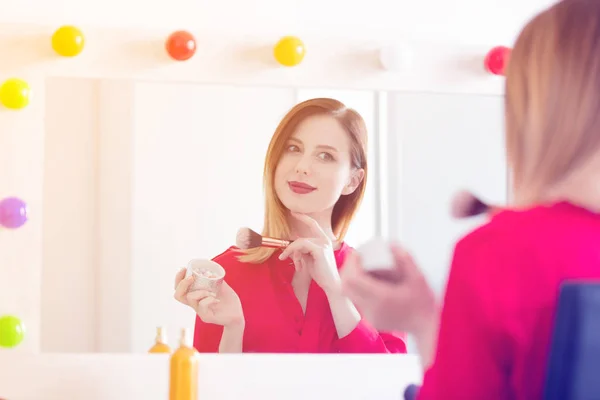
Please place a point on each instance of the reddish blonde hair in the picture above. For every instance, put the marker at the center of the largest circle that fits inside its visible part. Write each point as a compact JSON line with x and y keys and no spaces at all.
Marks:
{"x":275,"y":219}
{"x":553,"y":101}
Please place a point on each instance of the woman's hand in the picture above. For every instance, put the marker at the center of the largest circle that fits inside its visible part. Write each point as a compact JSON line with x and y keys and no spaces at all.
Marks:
{"x":408,"y":305}
{"x":224,"y":309}
{"x":315,"y":255}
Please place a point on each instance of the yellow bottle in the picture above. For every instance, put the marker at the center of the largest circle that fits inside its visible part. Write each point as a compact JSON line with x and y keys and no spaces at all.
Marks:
{"x":160,"y":345}
{"x":183,"y":383}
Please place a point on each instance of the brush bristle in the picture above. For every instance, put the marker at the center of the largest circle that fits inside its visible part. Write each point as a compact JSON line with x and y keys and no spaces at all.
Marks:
{"x":465,"y":205}
{"x":248,"y":239}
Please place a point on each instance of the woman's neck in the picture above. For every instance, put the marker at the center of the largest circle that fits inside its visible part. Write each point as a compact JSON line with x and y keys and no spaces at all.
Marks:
{"x":300,"y":229}
{"x":581,"y":187}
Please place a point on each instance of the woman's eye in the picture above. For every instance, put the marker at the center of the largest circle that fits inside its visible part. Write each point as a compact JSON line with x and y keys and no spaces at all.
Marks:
{"x":293,"y":148}
{"x":326,"y":157}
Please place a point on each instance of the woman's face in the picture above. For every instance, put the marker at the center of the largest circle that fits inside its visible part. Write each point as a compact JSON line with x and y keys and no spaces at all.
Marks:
{"x":315,"y":169}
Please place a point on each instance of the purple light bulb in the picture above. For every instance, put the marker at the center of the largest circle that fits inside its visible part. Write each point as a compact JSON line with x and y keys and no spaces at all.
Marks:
{"x":13,"y":212}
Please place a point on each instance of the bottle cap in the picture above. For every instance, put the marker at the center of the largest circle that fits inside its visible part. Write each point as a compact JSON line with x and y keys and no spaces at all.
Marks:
{"x":160,"y":335}
{"x":183,"y":340}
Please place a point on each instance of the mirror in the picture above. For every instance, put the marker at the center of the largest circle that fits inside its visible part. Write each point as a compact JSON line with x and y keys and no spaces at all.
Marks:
{"x":141,"y":177}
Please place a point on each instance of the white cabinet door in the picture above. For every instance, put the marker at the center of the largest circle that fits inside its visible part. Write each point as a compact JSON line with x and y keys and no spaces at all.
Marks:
{"x":439,"y":144}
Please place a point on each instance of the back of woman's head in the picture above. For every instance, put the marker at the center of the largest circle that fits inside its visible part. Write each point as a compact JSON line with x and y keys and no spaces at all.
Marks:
{"x":553,"y":100}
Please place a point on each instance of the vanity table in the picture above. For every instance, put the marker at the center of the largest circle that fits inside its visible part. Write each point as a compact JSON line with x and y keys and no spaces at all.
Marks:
{"x":222,"y":376}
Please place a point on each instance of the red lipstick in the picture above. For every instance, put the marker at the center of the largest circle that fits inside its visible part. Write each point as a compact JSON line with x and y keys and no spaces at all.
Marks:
{"x":300,"y":187}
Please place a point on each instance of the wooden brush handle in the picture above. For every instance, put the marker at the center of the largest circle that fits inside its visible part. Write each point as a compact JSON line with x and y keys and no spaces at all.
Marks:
{"x":493,"y":210}
{"x":274,"y":243}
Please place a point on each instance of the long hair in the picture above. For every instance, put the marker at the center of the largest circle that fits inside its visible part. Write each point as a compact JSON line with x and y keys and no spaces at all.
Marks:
{"x":552,"y":101}
{"x":276,"y":215}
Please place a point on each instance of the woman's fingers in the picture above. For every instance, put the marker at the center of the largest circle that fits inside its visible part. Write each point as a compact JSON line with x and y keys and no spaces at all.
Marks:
{"x":198,"y":295}
{"x":302,"y":262}
{"x":405,"y":262}
{"x":182,"y":288}
{"x":356,"y":282}
{"x":302,"y":246}
{"x":204,"y":308}
{"x":179,"y":277}
{"x":364,"y":285}
{"x":297,"y":258}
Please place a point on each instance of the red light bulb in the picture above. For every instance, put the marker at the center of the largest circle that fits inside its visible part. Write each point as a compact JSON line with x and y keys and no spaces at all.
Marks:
{"x":181,"y":45}
{"x":496,"y":60}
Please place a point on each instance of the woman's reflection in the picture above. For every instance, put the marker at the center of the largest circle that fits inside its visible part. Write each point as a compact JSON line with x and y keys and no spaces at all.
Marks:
{"x":291,"y":302}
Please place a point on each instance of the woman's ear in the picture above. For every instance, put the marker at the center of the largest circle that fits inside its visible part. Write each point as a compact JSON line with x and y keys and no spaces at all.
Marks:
{"x":356,"y":177}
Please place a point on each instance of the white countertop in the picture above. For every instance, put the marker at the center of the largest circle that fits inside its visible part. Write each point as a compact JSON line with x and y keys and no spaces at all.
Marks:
{"x":221,"y":376}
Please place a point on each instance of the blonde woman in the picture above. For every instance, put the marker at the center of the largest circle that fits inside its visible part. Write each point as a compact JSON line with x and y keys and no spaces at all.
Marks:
{"x":501,"y":296}
{"x":291,"y":301}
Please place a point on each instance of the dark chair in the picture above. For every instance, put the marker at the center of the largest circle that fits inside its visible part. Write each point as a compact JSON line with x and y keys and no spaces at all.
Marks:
{"x":574,"y":359}
{"x":574,"y":362}
{"x":411,"y":392}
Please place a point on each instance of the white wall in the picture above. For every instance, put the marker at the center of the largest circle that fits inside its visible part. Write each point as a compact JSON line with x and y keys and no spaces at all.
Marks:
{"x":70,"y":219}
{"x":459,"y":21}
{"x":21,"y":175}
{"x":439,"y":144}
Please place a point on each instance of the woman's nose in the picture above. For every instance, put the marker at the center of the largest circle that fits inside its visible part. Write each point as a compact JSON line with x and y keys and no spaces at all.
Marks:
{"x":303,"y":166}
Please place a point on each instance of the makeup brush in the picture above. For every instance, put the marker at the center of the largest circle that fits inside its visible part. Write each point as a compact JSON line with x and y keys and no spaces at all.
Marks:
{"x":248,"y":239}
{"x":465,"y":205}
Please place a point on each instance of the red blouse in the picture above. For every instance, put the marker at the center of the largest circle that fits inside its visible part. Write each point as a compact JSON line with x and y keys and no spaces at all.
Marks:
{"x":275,"y":322}
{"x":501,"y":296}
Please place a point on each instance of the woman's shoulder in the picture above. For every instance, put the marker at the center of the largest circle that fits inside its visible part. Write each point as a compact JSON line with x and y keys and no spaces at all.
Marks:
{"x":502,"y":228}
{"x":521,"y":229}
{"x":341,"y":253}
{"x":230,"y":258}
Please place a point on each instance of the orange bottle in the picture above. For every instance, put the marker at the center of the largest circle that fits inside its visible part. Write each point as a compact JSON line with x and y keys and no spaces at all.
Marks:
{"x":183,"y":383}
{"x":160,"y":345}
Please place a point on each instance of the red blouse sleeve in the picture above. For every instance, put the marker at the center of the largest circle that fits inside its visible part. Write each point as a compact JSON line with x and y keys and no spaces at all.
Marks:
{"x":472,"y":353}
{"x":366,"y":339}
{"x":207,"y":337}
